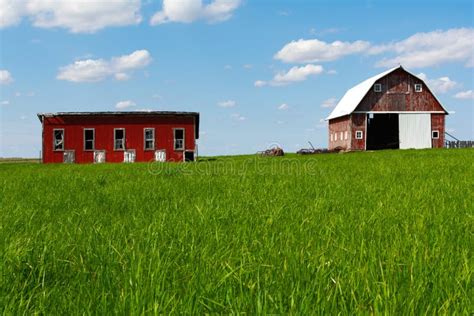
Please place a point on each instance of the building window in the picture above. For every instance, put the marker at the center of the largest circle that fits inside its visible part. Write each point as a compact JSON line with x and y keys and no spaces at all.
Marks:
{"x":359,"y":134}
{"x":179,"y":139}
{"x":341,"y":135}
{"x":345,"y":135}
{"x":58,"y":135}
{"x":99,"y":156}
{"x":119,"y":138}
{"x":418,"y":87}
{"x":149,"y":138}
{"x":378,"y":87}
{"x":435,"y":134}
{"x":129,"y":155}
{"x":335,"y":136}
{"x":89,"y":138}
{"x":332,"y":137}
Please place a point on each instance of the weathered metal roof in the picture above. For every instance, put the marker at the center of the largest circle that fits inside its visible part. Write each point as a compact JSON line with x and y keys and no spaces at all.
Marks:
{"x":354,"y":96}
{"x":125,"y":113}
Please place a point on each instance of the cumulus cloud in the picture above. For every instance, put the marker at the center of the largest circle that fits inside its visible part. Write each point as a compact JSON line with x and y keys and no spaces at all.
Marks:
{"x":314,"y":50}
{"x":329,"y":103}
{"x":78,"y":16}
{"x":283,"y":107}
{"x":295,"y":74}
{"x":187,"y":11}
{"x":430,"y":49}
{"x":92,"y":70}
{"x":125,"y":104}
{"x":227,"y":104}
{"x":440,"y":85}
{"x":5,"y":102}
{"x":465,"y":95}
{"x":5,"y":77}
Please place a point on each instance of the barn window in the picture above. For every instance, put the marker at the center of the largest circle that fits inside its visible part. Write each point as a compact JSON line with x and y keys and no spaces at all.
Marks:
{"x":89,"y":138}
{"x":149,"y":138}
{"x":378,"y":87}
{"x":345,"y":135}
{"x":359,"y":134}
{"x":435,"y":134}
{"x":332,"y":138}
{"x":58,"y":135}
{"x":179,"y":139}
{"x":418,"y":87}
{"x":335,"y":136}
{"x":341,"y":135}
{"x":119,"y":139}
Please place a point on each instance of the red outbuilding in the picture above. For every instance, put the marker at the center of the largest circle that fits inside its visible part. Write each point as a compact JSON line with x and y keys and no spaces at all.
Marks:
{"x":392,"y":110}
{"x":96,"y":137}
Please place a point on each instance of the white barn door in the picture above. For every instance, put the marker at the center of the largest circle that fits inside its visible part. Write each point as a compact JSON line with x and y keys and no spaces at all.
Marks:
{"x":414,"y":130}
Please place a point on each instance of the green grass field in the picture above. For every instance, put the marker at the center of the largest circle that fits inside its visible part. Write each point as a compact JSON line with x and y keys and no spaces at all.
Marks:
{"x":382,"y":232}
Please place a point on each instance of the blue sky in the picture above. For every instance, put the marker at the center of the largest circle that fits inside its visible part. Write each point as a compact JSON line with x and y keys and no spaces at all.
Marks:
{"x":259,"y":72}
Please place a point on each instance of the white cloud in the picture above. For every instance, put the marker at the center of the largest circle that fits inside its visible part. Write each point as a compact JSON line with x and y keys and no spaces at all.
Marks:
{"x":311,"y":51}
{"x":440,"y":85}
{"x":227,"y":104}
{"x":430,"y":49}
{"x":332,"y":72}
{"x":248,"y":66}
{"x":92,"y":70}
{"x":329,"y":103}
{"x":295,"y":74}
{"x":187,"y":11}
{"x":465,"y":95}
{"x":238,"y":117}
{"x":5,"y":77}
{"x":77,"y":16}
{"x":125,"y":104}
{"x":283,"y":107}
{"x":5,"y":102}
{"x":259,"y":83}
{"x":121,"y":76}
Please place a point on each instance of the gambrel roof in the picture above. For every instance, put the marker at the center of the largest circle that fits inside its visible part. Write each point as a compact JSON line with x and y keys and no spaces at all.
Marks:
{"x":354,"y":96}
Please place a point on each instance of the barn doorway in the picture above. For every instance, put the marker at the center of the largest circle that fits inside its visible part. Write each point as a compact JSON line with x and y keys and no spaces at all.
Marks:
{"x":189,"y":156}
{"x":382,"y":131}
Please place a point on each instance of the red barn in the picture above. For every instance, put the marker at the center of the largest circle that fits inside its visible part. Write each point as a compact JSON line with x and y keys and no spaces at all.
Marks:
{"x":87,"y":137}
{"x":394,"y":109}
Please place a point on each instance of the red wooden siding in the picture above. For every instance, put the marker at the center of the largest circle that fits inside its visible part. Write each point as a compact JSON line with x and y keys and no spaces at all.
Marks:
{"x":104,"y":136}
{"x":398,"y":94}
{"x":437,"y":124}
{"x":358,"y":124}
{"x":336,"y":127}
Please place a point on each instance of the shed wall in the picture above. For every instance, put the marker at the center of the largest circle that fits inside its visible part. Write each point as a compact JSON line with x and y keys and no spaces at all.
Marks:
{"x":104,"y":136}
{"x":339,"y":127}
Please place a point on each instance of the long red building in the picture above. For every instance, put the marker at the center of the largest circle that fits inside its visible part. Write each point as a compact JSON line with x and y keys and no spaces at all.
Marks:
{"x":392,"y":110}
{"x":96,"y":137}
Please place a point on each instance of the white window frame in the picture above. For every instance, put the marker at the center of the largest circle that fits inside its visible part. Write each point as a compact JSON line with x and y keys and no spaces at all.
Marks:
{"x":345,"y":135}
{"x":359,"y":135}
{"x":341,"y":135}
{"x":97,"y":152}
{"x":432,"y":134}
{"x":125,"y":152}
{"x":378,"y":87}
{"x":93,"y":138}
{"x":66,"y":152}
{"x":335,"y":136}
{"x":332,"y":137}
{"x":420,"y":86}
{"x":152,"y":139}
{"x":174,"y":139}
{"x":54,"y":139}
{"x":123,"y":140}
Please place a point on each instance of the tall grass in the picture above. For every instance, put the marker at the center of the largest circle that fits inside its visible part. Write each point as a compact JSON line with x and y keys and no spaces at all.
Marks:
{"x":384,"y":232}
